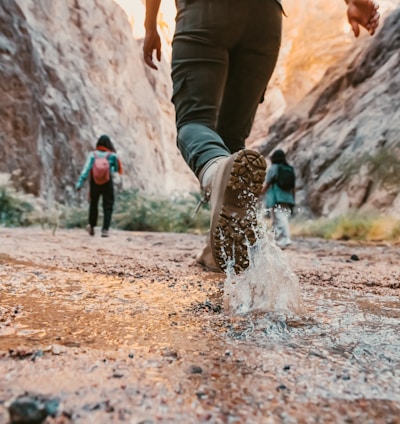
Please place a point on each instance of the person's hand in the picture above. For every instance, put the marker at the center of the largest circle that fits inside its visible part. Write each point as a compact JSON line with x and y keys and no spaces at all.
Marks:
{"x":151,"y":42}
{"x":363,"y":13}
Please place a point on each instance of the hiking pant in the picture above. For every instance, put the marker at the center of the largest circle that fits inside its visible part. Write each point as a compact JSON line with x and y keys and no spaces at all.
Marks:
{"x":280,"y":225}
{"x":106,"y":191}
{"x":223,"y":55}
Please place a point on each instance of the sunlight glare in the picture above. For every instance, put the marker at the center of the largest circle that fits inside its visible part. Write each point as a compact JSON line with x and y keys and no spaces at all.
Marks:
{"x":135,"y":10}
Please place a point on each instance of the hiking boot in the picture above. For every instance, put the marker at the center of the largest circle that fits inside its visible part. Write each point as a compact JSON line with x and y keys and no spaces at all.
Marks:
{"x":206,"y":258}
{"x":235,"y":188}
{"x":104,"y":233}
{"x":90,"y":229}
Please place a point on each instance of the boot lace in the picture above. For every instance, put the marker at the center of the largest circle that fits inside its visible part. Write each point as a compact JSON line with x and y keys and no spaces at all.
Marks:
{"x":205,"y":198}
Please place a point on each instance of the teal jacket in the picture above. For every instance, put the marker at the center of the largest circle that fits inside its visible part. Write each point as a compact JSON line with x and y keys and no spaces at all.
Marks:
{"x":112,"y":160}
{"x":275,"y":195}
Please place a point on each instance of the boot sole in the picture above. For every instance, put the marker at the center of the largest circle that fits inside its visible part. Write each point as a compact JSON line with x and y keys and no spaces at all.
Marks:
{"x":234,"y":221}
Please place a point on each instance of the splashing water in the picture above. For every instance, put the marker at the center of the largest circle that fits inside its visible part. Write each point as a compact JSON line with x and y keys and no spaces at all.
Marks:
{"x":268,"y":284}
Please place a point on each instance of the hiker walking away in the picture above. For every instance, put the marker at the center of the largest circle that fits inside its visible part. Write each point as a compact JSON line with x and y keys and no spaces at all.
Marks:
{"x":223,"y":55}
{"x":99,"y":167}
{"x":279,"y":190}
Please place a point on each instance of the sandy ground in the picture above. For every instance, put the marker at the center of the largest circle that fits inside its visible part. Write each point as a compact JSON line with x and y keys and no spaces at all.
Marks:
{"x":131,"y":329}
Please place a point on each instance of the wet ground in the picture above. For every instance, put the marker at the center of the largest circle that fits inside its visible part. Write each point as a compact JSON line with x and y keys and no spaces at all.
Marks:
{"x":130,"y":329}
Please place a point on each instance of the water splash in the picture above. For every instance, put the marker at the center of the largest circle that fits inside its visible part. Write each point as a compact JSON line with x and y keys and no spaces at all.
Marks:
{"x":268,"y":284}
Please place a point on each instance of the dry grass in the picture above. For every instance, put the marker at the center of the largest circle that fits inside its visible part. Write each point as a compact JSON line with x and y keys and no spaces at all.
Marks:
{"x":350,"y":227}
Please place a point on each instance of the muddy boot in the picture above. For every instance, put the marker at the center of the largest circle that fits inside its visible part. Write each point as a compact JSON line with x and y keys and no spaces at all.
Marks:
{"x":234,"y":190}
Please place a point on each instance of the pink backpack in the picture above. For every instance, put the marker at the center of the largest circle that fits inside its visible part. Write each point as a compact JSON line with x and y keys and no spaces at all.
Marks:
{"x":101,"y":169}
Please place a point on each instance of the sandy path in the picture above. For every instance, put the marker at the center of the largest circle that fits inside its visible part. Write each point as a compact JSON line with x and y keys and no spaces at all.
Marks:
{"x":130,"y":329}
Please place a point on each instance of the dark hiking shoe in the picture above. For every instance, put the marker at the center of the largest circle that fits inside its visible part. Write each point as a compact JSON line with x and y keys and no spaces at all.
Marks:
{"x":104,"y":233}
{"x":90,"y":230}
{"x":235,"y":188}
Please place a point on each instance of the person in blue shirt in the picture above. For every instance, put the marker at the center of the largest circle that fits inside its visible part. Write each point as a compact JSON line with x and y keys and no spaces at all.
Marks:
{"x":104,"y":149}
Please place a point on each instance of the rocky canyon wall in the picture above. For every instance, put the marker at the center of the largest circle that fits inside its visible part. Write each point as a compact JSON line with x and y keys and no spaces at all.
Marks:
{"x":313,"y":39}
{"x":71,"y":71}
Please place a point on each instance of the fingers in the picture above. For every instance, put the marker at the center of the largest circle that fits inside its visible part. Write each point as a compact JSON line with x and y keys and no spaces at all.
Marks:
{"x":355,"y":28}
{"x":148,"y":59}
{"x":363,"y":13}
{"x":151,"y":43}
{"x":374,"y":23}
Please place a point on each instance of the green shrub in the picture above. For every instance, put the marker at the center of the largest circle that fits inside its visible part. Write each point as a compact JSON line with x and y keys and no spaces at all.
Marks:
{"x":395,"y":235}
{"x":134,"y":211}
{"x":12,"y":208}
{"x":137,"y":212}
{"x":75,"y":218}
{"x":354,"y":226}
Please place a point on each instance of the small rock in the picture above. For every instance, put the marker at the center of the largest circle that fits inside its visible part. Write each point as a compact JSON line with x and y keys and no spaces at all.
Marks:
{"x":118,"y":375}
{"x":32,"y":409}
{"x":354,"y":258}
{"x":170,"y":354}
{"x":201,"y":395}
{"x":58,"y":349}
{"x":36,"y":354}
{"x":194,"y":369}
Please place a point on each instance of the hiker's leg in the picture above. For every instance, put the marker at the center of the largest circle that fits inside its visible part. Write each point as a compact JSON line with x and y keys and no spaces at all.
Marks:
{"x":281,"y":225}
{"x":209,"y":39}
{"x":251,"y":64}
{"x":199,"y":71}
{"x":199,"y":144}
{"x":94,"y":201}
{"x":108,"y":204}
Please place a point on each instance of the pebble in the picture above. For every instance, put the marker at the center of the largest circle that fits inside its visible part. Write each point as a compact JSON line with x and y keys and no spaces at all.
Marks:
{"x":32,"y":409}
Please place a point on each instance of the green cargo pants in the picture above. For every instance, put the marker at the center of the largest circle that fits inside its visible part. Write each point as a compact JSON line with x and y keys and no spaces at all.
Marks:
{"x":223,"y":55}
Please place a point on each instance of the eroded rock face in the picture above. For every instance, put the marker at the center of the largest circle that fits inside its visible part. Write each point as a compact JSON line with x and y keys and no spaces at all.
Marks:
{"x":71,"y":71}
{"x":343,"y":138}
{"x":21,"y":87}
